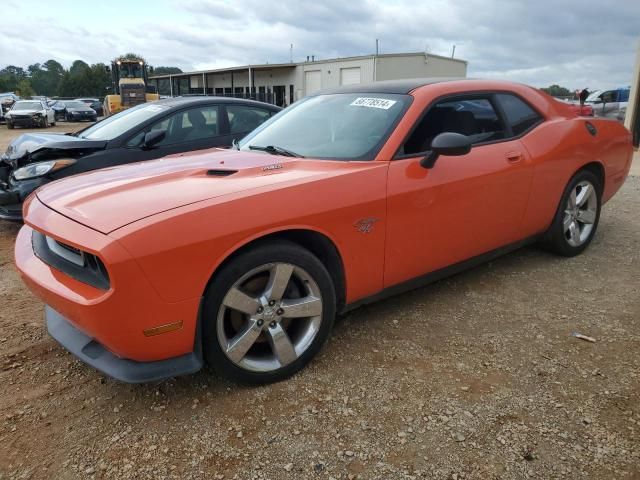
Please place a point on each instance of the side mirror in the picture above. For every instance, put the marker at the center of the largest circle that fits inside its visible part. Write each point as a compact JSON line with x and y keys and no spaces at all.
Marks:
{"x":152,"y":138}
{"x":447,"y":143}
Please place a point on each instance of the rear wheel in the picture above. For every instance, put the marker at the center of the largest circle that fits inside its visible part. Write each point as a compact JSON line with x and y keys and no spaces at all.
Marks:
{"x":577,"y":217}
{"x":267,"y":313}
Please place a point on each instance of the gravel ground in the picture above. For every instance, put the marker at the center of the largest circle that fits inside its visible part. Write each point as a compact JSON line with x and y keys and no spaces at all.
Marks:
{"x":474,"y":377}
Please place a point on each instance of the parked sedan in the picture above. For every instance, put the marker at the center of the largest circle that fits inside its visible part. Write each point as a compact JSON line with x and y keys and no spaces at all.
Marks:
{"x":77,"y":111}
{"x":93,"y":103}
{"x":144,"y":132}
{"x":30,"y":113}
{"x":242,"y":258}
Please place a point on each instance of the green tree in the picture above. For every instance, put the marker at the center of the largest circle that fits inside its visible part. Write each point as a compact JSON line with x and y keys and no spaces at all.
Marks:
{"x":24,"y":88}
{"x":557,"y":91}
{"x":45,"y":78}
{"x":166,"y":70}
{"x":10,"y":77}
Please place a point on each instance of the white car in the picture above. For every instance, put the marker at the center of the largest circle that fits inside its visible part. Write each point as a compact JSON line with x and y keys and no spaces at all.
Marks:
{"x":610,"y":103}
{"x":30,"y":113}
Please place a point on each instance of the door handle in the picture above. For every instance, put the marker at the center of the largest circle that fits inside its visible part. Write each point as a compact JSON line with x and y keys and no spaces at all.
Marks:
{"x":514,"y":157}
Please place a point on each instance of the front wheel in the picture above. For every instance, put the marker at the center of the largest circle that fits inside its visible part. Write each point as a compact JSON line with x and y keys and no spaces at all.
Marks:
{"x":577,"y":217}
{"x":267,"y":313}
{"x":9,"y":125}
{"x":45,"y":122}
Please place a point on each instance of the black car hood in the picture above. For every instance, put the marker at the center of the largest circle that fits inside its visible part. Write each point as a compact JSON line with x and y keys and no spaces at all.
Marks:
{"x":44,"y":146}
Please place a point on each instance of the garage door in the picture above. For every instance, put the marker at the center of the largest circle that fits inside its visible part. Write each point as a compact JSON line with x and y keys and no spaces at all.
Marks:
{"x":350,"y":76}
{"x":312,"y":81}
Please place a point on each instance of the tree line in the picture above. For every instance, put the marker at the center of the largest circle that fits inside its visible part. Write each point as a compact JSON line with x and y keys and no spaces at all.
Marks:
{"x":54,"y":80}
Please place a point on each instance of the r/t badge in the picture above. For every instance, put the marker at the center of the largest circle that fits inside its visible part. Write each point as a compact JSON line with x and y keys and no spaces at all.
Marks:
{"x":365,"y":225}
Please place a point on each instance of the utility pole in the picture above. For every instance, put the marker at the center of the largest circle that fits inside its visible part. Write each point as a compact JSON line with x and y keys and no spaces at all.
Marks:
{"x":377,"y":46}
{"x":291,"y":54}
{"x":453,"y":52}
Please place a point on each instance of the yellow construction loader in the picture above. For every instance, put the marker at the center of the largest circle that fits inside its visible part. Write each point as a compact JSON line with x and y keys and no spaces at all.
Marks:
{"x":130,"y":84}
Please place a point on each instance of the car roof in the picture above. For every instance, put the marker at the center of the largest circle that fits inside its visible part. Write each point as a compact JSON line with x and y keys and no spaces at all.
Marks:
{"x":401,"y":87}
{"x":187,"y":101}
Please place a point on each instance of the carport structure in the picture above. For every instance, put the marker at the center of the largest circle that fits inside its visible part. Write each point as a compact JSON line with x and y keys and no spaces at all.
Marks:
{"x":284,"y":83}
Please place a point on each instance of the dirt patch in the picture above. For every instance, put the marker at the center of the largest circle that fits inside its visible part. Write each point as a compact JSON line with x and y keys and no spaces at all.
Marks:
{"x":7,"y":135}
{"x":475,"y":377}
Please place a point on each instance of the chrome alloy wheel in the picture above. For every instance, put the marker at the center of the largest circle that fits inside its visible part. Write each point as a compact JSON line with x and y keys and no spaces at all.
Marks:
{"x":580,"y":213}
{"x":269,"y":317}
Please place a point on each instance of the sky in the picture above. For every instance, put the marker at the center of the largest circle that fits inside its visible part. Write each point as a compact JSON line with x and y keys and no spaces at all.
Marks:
{"x":573,"y":43}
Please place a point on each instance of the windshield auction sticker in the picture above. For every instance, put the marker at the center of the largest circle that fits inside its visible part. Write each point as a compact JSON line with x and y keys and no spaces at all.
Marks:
{"x":382,"y":103}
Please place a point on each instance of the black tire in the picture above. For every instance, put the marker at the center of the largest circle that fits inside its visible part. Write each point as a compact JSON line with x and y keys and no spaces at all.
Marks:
{"x":266,"y":253}
{"x":45,"y":122}
{"x":556,"y":240}
{"x":10,"y":125}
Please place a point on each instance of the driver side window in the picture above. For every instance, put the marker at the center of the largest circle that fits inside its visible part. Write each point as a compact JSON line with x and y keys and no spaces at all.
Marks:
{"x":183,"y":127}
{"x":475,"y":118}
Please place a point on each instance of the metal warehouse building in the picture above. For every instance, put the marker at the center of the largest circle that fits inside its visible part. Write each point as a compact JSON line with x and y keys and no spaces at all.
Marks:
{"x":282,"y":84}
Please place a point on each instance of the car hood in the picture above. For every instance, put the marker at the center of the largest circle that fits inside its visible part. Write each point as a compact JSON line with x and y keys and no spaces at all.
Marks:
{"x":42,"y":146}
{"x":111,"y":198}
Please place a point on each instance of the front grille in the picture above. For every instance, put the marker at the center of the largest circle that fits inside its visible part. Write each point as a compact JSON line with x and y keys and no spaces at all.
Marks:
{"x":132,"y":95}
{"x":79,"y":265}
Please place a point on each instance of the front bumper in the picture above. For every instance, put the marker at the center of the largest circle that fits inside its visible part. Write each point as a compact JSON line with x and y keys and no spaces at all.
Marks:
{"x":120,"y":318}
{"x":11,"y":212}
{"x":96,"y":355}
{"x":82,"y":116}
{"x":25,"y":121}
{"x":12,"y":195}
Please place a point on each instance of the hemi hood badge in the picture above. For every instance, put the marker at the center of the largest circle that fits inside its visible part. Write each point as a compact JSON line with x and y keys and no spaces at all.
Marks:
{"x":275,"y":166}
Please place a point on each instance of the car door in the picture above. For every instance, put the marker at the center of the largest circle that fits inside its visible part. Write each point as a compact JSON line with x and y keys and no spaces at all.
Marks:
{"x":187,"y":130}
{"x":463,"y":206}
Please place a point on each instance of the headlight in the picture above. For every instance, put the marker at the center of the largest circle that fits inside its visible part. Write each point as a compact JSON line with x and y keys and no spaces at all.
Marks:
{"x":39,"y":169}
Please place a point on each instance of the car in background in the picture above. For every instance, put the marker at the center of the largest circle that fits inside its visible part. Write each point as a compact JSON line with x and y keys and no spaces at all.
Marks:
{"x":144,"y":132}
{"x":6,"y":102}
{"x":93,"y":103}
{"x":241,"y":258}
{"x":609,"y":103}
{"x":77,"y":111}
{"x":59,"y":109}
{"x":30,"y":113}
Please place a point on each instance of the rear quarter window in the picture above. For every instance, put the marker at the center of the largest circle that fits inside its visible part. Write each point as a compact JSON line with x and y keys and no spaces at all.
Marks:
{"x":520,"y":116}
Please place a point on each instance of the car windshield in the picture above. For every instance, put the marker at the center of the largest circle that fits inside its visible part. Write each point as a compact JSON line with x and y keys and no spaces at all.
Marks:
{"x":114,"y":126}
{"x":74,"y":104}
{"x":27,"y":106}
{"x":343,"y":126}
{"x":594,"y":96}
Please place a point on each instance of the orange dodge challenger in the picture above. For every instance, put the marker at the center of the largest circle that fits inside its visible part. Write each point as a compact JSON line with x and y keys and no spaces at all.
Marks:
{"x":242,"y":258}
